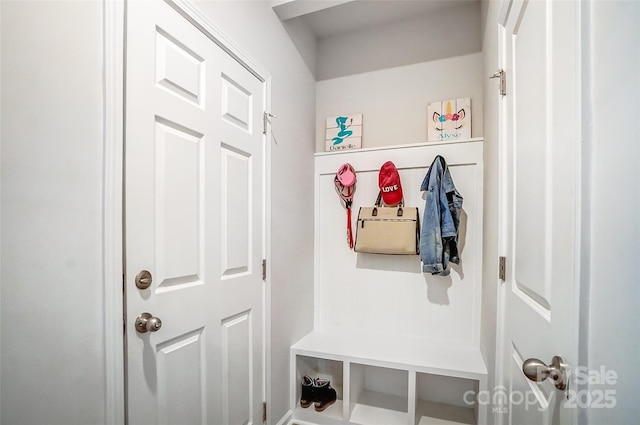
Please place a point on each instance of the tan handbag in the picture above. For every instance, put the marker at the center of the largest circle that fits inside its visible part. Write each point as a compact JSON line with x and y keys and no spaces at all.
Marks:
{"x":388,"y":230}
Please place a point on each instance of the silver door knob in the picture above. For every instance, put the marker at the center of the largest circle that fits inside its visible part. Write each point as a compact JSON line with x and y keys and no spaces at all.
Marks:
{"x":537,"y":371}
{"x":145,"y":322}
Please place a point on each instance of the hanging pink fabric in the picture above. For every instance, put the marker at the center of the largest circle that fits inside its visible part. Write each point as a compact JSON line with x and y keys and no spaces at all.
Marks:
{"x":345,"y":182}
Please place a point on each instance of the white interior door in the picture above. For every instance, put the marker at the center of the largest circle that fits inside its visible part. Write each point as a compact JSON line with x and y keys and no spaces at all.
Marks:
{"x":540,"y":221}
{"x":194,"y":219}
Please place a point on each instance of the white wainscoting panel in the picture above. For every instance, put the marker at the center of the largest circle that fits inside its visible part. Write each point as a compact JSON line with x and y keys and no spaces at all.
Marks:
{"x":386,"y":294}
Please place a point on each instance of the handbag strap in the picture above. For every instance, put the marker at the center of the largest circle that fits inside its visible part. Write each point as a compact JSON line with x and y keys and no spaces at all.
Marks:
{"x":378,"y":203}
{"x":346,"y":195}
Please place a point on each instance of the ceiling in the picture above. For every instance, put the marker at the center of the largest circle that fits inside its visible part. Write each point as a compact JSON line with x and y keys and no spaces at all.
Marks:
{"x":327,"y":18}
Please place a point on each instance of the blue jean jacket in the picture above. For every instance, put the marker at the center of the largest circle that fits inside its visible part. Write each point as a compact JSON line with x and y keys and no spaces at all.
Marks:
{"x":439,"y":235}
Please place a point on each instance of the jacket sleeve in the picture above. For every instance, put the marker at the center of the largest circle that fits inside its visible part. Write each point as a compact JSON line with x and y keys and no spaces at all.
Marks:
{"x":430,"y":236}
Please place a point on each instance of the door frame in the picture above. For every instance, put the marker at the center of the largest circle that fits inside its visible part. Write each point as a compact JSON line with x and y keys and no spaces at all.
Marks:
{"x":499,"y":381}
{"x":114,"y":85}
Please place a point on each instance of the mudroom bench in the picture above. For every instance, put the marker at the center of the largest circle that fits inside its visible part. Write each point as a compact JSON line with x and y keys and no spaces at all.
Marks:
{"x":387,"y":380}
{"x":399,"y":346}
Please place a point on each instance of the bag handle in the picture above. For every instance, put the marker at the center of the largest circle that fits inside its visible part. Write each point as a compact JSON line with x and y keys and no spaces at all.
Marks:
{"x":378,"y":203}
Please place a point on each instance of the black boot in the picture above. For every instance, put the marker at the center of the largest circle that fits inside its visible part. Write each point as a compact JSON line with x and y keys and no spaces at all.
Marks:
{"x":325,"y":396}
{"x":308,"y":392}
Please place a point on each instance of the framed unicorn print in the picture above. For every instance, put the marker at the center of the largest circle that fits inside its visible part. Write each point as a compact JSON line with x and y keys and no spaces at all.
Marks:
{"x":449,"y":120}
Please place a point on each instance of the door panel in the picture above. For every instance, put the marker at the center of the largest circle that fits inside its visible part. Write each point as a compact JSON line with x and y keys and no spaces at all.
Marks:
{"x":194,"y":218}
{"x":179,"y":192}
{"x":529,"y":80}
{"x":541,"y":146}
{"x":236,"y":365}
{"x":178,"y":69}
{"x":181,"y":389}
{"x":236,"y":214}
{"x":236,"y":103}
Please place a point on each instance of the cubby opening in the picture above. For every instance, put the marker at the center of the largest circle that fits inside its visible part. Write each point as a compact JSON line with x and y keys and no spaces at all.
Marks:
{"x":321,"y":368}
{"x":378,"y":396}
{"x":445,"y":400}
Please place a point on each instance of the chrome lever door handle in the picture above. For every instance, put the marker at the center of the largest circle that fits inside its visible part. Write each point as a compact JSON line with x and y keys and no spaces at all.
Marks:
{"x":537,"y":371}
{"x":145,"y":322}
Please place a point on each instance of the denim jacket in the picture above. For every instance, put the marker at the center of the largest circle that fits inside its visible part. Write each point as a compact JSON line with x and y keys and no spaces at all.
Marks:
{"x":439,"y":235}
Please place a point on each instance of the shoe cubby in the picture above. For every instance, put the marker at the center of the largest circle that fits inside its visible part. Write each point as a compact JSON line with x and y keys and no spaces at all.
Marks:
{"x":322,"y":368}
{"x":393,"y":381}
{"x":378,"y":395}
{"x":445,"y":400}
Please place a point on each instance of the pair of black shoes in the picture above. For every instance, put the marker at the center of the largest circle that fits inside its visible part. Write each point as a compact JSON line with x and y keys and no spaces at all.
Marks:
{"x":317,"y":391}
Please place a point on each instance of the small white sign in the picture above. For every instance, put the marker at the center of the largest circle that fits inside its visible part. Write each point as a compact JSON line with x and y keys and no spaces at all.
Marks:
{"x":449,"y":120}
{"x":343,"y":132}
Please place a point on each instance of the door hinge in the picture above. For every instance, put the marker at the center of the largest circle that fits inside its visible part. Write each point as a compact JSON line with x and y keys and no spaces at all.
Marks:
{"x":124,"y":312}
{"x":503,"y":81}
{"x":502,"y":269}
{"x":264,"y":412}
{"x":265,"y":121}
{"x":264,"y":269}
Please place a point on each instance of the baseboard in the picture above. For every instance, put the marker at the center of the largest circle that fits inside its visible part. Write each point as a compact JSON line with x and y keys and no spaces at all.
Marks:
{"x":286,"y":419}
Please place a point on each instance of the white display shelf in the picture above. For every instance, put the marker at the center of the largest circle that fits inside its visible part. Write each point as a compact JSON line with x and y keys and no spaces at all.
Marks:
{"x":402,"y":146}
{"x":381,"y":379}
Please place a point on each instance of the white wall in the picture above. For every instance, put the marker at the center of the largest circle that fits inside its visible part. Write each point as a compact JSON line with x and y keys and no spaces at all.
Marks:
{"x":255,"y":28}
{"x":394,"y":101}
{"x":53,"y":366}
{"x":53,"y":363}
{"x":440,"y":34}
{"x":305,"y":41}
{"x":612,"y":135}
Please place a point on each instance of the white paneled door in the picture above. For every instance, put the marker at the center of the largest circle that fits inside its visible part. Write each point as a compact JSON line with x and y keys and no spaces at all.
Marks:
{"x":539,"y":193}
{"x":194,"y":160}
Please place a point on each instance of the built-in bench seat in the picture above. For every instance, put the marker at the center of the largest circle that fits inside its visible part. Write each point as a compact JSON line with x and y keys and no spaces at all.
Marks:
{"x":357,"y":363}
